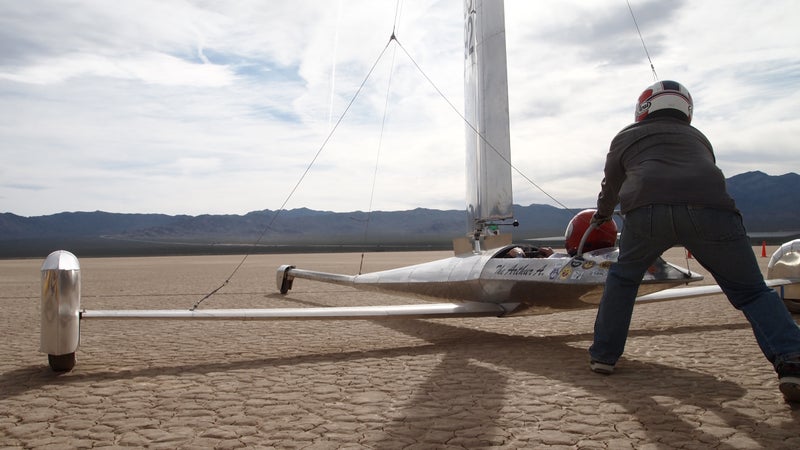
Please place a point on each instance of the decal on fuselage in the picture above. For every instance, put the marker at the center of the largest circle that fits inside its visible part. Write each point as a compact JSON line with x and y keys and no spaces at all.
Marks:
{"x":560,"y":270}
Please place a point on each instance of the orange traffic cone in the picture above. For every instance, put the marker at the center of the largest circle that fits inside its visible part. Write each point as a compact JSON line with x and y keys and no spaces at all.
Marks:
{"x":763,"y":249}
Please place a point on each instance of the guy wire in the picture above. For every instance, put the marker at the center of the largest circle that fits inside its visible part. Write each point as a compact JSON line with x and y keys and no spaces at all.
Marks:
{"x":652,"y":67}
{"x":380,"y":145}
{"x":397,"y":12}
{"x":299,"y":181}
{"x":478,"y":133}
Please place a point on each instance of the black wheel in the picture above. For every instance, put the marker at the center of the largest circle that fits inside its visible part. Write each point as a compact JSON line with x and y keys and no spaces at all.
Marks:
{"x":286,"y":285}
{"x":61,"y":363}
{"x":793,"y":306}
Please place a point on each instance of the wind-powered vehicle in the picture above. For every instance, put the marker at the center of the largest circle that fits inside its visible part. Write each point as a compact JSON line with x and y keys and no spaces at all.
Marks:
{"x":480,"y":275}
{"x":479,"y":280}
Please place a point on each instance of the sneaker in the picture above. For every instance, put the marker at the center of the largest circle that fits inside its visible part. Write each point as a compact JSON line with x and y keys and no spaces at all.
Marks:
{"x":790,"y":387}
{"x":601,"y":367}
{"x":789,"y":379}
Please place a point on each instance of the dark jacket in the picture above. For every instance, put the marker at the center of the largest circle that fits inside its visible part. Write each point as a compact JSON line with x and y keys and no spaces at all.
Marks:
{"x":661,"y":160}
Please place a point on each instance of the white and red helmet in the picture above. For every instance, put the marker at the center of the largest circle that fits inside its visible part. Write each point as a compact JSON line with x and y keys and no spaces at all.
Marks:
{"x":664,"y":95}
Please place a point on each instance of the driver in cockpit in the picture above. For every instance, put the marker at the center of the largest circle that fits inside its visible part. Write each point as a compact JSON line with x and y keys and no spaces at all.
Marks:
{"x":516,"y":252}
{"x":532,"y":252}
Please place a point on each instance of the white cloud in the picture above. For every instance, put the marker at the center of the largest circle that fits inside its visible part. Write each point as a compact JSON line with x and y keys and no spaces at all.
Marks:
{"x":196,"y":107}
{"x":150,"y":68}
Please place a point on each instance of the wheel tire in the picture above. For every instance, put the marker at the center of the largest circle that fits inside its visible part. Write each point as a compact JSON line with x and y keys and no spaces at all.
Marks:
{"x":61,"y":363}
{"x":286,"y":285}
{"x":792,"y":305}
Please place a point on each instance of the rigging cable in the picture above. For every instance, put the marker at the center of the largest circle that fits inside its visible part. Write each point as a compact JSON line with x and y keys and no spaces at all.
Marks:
{"x":344,"y":113}
{"x":652,"y":67}
{"x":377,"y":163}
{"x":397,"y":10}
{"x":380,"y":138}
{"x":333,"y":63}
{"x":300,"y":180}
{"x":478,"y":133}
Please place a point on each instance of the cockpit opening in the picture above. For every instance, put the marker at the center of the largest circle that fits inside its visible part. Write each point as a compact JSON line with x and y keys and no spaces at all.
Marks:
{"x":524,"y":251}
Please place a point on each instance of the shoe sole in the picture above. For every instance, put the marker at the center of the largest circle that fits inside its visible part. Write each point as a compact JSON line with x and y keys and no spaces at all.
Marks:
{"x":605,"y":369}
{"x":790,"y":388}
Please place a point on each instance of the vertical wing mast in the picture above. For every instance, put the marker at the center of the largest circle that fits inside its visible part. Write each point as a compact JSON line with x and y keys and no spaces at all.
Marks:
{"x":488,"y":152}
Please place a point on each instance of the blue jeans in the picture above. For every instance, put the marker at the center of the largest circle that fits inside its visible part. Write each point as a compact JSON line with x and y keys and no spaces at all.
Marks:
{"x":717,"y":239}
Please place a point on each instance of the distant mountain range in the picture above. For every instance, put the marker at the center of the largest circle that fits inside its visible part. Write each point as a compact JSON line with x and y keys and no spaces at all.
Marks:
{"x":768,"y":203}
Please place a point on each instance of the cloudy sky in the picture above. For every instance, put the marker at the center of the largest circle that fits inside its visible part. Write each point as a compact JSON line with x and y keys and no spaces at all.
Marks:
{"x":201,"y":107}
